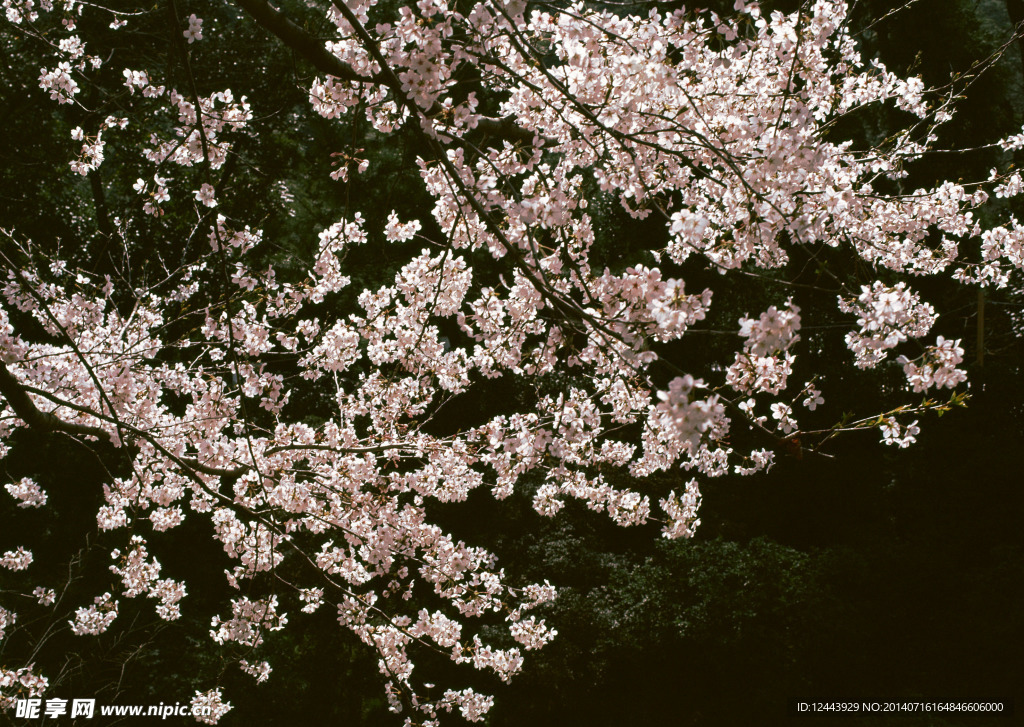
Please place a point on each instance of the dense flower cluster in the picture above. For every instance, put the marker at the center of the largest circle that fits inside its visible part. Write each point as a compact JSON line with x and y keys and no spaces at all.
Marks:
{"x":19,"y":559}
{"x":208,"y":707}
{"x":714,"y":126}
{"x":96,"y":618}
{"x":27,"y":491}
{"x":140,"y":576}
{"x":20,"y":684}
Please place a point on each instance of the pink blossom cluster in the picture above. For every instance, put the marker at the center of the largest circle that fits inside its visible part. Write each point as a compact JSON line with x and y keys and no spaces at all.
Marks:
{"x":18,"y":684}
{"x":27,"y":492}
{"x":249,"y":621}
{"x":209,"y":706}
{"x":887,"y":317}
{"x":718,"y":129}
{"x":140,"y":576}
{"x":95,"y":619}
{"x":16,"y":560}
{"x":7,"y":620}
{"x":765,"y":362}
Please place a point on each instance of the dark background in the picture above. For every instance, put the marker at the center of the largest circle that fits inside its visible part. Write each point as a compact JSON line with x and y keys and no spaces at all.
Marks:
{"x":873,"y":574}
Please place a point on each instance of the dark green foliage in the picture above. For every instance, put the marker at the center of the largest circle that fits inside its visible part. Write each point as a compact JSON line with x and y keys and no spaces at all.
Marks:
{"x":889,"y":578}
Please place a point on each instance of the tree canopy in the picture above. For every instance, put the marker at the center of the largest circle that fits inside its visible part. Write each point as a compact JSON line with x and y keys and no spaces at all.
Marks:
{"x":301,"y":289}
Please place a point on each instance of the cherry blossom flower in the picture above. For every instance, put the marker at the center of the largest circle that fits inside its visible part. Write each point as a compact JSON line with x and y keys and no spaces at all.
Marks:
{"x":195,"y":29}
{"x":206,"y":195}
{"x":44,"y":596}
{"x":259,"y":670}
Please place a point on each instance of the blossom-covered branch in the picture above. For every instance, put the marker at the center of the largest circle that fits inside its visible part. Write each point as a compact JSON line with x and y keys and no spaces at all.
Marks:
{"x":307,"y":421}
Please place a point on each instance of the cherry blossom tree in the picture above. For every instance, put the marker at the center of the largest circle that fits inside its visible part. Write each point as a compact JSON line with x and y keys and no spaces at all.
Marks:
{"x":723,"y":132}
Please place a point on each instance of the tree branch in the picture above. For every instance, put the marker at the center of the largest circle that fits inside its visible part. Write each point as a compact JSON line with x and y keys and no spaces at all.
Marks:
{"x":279,"y":25}
{"x":41,"y":421}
